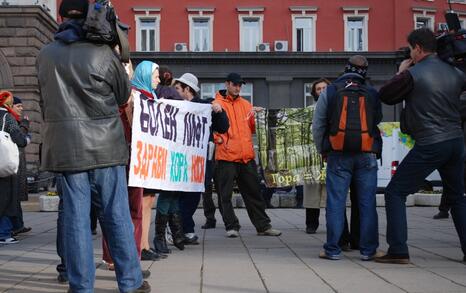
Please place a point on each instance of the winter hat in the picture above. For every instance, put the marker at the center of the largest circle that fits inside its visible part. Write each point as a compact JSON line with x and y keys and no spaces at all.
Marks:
{"x":16,"y":100}
{"x":74,"y":8}
{"x":357,"y":64}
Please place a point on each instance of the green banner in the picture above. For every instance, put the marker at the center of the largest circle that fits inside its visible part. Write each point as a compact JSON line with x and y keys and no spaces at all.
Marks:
{"x":287,"y":151}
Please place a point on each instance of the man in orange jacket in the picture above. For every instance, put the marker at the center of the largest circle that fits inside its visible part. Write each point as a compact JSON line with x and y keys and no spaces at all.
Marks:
{"x":235,"y":161}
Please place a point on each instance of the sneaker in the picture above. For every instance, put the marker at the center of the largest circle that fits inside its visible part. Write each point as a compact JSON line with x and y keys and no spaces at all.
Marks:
{"x":162,"y":256}
{"x":145,"y":274}
{"x":191,"y":239}
{"x":11,"y":240}
{"x":232,"y":234}
{"x":21,"y":230}
{"x":393,"y":259}
{"x":324,"y":255}
{"x":209,"y":225}
{"x":147,"y":254}
{"x":144,"y":288}
{"x":371,"y":257}
{"x":270,"y":232}
{"x":441,"y":215}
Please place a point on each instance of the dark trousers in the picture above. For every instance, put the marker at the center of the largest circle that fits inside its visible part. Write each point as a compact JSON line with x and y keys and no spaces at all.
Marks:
{"x":188,"y":205}
{"x":17,"y":220}
{"x":93,"y":218}
{"x":444,"y":207}
{"x":207,"y":200}
{"x":350,"y":232}
{"x":208,"y":203}
{"x":249,"y":186}
{"x":447,"y":158}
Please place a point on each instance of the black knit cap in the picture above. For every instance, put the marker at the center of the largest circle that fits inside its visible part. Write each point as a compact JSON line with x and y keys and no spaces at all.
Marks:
{"x":74,"y":8}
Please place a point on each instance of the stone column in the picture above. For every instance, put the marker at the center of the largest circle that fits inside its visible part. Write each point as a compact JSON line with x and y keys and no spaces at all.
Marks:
{"x":24,"y":30}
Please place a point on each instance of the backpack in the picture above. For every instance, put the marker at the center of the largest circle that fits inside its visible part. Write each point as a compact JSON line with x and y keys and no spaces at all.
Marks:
{"x":351,"y":123}
{"x":10,"y":154}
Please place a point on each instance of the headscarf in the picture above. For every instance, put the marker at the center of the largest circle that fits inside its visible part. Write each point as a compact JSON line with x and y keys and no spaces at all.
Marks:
{"x":142,"y":77}
{"x":6,"y":101}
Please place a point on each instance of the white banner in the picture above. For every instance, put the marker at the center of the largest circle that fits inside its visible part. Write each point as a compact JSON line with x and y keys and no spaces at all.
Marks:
{"x":169,"y":144}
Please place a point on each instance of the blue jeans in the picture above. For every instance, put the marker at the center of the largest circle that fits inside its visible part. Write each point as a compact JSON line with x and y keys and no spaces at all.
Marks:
{"x":60,"y":241}
{"x":447,"y":158}
{"x":5,"y":227}
{"x":360,"y":168}
{"x":168,"y":202}
{"x":188,"y":205}
{"x":107,"y":189}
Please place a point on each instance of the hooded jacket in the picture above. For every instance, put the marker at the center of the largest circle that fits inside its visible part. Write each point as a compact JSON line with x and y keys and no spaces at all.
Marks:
{"x":82,"y":85}
{"x":236,"y":144}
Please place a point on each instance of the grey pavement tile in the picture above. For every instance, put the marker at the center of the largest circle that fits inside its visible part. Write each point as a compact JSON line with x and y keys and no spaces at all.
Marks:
{"x":414,"y":279}
{"x":251,"y":264}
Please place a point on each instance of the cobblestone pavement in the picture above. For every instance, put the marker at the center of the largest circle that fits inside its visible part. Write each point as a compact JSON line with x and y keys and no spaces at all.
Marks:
{"x":251,"y":263}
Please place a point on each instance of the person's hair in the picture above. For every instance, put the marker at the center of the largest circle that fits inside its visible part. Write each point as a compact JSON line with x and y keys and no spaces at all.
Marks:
{"x":166,"y":76}
{"x":183,"y":86}
{"x":314,"y":85}
{"x":423,"y":37}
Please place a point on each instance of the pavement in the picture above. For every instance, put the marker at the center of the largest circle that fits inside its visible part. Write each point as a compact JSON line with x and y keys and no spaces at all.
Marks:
{"x":256,"y":264}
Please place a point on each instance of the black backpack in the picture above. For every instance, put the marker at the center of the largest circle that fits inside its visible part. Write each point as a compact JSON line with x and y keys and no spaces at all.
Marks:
{"x":351,"y":119}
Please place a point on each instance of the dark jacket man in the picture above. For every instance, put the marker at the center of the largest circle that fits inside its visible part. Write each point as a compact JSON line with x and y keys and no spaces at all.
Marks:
{"x":431,"y":91}
{"x":82,"y":128}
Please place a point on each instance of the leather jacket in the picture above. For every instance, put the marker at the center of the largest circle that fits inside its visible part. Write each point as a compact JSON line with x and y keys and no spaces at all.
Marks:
{"x":82,"y":85}
{"x":432,"y":107}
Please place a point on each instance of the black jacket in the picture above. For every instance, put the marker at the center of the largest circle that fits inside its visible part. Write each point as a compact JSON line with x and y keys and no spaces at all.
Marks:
{"x":431,"y":90}
{"x":220,"y":122}
{"x":82,"y":85}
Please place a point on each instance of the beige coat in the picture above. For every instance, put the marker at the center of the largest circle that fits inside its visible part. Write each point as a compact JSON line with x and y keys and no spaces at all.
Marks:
{"x":314,"y":195}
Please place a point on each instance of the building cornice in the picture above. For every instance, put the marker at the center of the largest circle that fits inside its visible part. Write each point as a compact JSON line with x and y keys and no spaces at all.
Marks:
{"x":260,"y":57}
{"x":424,"y":10}
{"x":303,"y":9}
{"x":147,"y":9}
{"x":355,"y":9}
{"x":250,"y":9}
{"x":200,"y":10}
{"x":22,"y":11}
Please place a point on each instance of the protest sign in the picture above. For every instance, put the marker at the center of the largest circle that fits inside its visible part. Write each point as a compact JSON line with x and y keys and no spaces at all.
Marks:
{"x":169,"y":144}
{"x":287,"y":152}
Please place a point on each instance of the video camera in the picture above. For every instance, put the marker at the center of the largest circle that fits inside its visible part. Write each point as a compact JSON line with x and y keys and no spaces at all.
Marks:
{"x":103,"y":26}
{"x":451,"y":43}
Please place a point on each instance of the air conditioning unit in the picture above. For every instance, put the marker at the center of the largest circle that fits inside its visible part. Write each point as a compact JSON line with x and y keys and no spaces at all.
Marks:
{"x":263,"y":47}
{"x":180,"y":47}
{"x":281,"y":46}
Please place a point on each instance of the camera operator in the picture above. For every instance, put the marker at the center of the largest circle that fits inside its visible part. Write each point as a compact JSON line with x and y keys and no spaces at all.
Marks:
{"x":82,"y":85}
{"x":431,"y":90}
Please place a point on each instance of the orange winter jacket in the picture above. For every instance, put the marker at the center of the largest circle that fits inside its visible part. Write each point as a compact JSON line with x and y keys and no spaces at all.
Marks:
{"x":236,"y":145}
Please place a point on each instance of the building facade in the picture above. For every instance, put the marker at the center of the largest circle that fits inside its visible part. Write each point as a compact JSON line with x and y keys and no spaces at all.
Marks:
{"x":283,"y":26}
{"x":279,"y":47}
{"x":24,"y":30}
